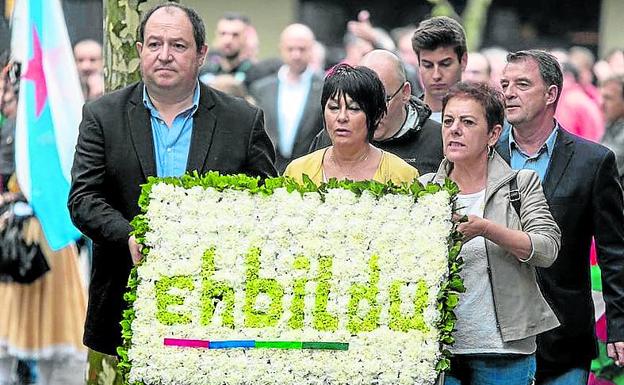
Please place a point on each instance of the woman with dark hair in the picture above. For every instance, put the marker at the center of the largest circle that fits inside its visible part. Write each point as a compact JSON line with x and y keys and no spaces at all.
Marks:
{"x":353,"y":103}
{"x":508,"y":231}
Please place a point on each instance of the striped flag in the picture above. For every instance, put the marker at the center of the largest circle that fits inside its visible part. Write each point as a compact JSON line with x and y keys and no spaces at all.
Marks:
{"x":48,"y":114}
{"x":603,"y":369}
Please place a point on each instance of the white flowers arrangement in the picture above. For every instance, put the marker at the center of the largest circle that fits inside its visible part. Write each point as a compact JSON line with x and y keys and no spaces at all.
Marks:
{"x":364,"y":265}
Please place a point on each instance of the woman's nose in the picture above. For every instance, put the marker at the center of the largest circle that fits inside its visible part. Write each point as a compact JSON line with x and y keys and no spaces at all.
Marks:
{"x":343,"y":115}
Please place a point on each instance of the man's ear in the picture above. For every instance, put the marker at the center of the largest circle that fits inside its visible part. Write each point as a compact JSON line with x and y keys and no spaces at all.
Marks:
{"x":406,"y":91}
{"x":139,"y":47}
{"x":495,"y":134}
{"x":551,"y":94}
{"x":202,"y":54}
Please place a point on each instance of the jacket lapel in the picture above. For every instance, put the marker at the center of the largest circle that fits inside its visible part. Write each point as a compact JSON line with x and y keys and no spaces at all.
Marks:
{"x":313,"y":100}
{"x":562,"y":154}
{"x":502,"y":146}
{"x":204,"y":122}
{"x":141,"y":132}
{"x":271,"y":99}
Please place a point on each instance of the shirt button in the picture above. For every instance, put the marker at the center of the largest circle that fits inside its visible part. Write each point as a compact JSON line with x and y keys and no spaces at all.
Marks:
{"x":169,"y":149}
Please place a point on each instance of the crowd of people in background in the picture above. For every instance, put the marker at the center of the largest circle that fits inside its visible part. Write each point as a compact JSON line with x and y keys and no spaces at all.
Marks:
{"x":398,"y":104}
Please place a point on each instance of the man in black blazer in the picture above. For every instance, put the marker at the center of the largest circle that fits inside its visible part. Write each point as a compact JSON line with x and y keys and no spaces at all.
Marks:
{"x":580,"y":181}
{"x":291,"y":99}
{"x":163,"y":126}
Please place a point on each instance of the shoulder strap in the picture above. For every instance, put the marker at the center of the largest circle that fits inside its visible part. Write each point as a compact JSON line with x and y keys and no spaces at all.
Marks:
{"x":514,"y":194}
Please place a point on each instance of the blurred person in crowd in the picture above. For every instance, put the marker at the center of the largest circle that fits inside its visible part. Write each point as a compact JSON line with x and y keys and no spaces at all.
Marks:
{"x":616,"y":60}
{"x":403,"y":37}
{"x":612,"y":92}
{"x":353,"y":103}
{"x":440,"y":44}
{"x":290,"y":99}
{"x":561,"y":54}
{"x":229,"y":54}
{"x":583,"y":59}
{"x":406,"y":129}
{"x":355,"y":48}
{"x":576,"y":111}
{"x":580,"y":181}
{"x":363,"y":28}
{"x":319,"y":58}
{"x":165,"y":125}
{"x":497,"y":58}
{"x":88,"y":56}
{"x":40,"y":321}
{"x":228,"y":84}
{"x":502,"y":309}
{"x":8,"y":111}
{"x":251,"y":48}
{"x":612,"y":64}
{"x":477,"y":69}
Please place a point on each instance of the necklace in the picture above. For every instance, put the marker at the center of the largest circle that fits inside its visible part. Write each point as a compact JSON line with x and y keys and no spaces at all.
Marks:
{"x":348,"y":170}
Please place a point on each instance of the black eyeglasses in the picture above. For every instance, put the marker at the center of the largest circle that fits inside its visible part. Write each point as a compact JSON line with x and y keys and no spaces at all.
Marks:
{"x":389,"y":98}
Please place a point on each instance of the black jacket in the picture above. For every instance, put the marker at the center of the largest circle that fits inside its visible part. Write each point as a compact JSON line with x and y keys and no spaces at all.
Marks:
{"x":420,"y":146}
{"x":585,"y":198}
{"x":115,"y":155}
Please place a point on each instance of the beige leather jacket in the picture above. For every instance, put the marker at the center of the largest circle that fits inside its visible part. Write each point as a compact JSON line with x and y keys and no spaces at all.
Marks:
{"x":521,"y":310}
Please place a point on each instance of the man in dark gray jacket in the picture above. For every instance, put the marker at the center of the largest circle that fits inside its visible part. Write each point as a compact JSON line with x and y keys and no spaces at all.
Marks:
{"x":406,"y":130}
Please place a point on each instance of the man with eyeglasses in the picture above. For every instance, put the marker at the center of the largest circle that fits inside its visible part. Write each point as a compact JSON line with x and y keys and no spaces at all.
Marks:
{"x":406,"y":130}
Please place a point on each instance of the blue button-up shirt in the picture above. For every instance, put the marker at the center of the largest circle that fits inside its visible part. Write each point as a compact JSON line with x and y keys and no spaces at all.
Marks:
{"x":172,"y":144}
{"x":538,"y":162}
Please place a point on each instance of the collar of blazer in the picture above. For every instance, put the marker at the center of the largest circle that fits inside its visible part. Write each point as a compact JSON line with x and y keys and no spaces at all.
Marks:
{"x":139,"y":123}
{"x":562,"y":154}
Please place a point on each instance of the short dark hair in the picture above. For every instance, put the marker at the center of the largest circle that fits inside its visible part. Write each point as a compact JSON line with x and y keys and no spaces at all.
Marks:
{"x":548,"y":66}
{"x":490,"y":98}
{"x":440,"y":31}
{"x":199,"y":30}
{"x":363,"y":86}
{"x":231,"y":16}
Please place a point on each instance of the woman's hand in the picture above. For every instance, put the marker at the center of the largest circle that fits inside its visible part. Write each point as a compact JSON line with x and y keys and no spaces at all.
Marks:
{"x":516,"y":242}
{"x":471,"y":226}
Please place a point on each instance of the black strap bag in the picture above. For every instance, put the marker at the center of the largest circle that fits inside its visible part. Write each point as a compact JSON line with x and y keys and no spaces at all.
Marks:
{"x":19,"y":262}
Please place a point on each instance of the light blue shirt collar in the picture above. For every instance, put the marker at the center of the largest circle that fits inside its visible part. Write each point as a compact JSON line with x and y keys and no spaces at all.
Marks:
{"x":147,"y":102}
{"x":549,"y":144}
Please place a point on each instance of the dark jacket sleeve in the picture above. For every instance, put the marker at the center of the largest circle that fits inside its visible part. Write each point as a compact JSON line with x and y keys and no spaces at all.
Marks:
{"x":608,"y":218}
{"x":88,"y":208}
{"x":261,"y":159}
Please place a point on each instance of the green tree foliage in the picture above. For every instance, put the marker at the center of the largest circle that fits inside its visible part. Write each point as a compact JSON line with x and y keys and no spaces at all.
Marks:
{"x":473,"y":18}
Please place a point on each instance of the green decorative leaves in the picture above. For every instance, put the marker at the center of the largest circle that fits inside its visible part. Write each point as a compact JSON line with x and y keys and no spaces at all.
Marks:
{"x":164,"y":299}
{"x":254,"y":286}
{"x":367,"y":293}
{"x":323,"y":320}
{"x":401,"y":322}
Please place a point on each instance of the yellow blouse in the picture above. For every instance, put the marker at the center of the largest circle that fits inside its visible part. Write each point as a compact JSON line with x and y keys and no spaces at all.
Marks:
{"x":391,"y":168}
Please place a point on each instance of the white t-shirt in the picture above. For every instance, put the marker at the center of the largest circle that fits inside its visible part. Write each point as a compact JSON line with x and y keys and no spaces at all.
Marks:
{"x":476,"y":318}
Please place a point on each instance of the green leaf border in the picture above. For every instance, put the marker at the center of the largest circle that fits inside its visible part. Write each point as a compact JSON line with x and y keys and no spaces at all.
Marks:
{"x":449,"y":290}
